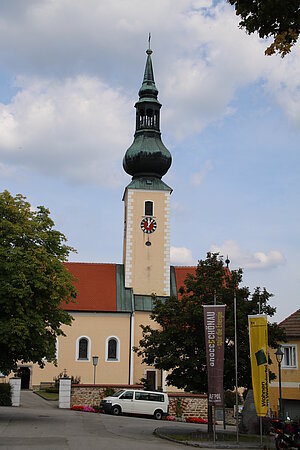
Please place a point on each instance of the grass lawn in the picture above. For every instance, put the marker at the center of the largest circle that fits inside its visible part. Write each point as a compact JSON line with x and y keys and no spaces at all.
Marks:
{"x":47,"y":395}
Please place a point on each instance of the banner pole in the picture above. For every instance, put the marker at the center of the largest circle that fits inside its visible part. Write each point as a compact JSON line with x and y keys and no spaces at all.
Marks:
{"x":236,"y":370}
{"x":260,"y":429}
{"x":214,"y":423}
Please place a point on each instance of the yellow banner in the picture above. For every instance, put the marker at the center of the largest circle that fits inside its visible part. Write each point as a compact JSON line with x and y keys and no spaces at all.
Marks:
{"x":258,"y":334}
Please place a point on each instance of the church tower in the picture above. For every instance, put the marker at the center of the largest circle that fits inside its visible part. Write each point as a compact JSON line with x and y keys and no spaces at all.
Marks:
{"x":146,"y":247}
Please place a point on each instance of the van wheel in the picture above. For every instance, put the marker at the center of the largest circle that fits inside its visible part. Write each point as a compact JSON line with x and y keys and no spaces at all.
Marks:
{"x":158,"y":415}
{"x":116,"y":410}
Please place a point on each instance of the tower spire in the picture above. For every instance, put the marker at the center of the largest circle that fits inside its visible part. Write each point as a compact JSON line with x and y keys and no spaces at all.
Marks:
{"x":147,"y":156}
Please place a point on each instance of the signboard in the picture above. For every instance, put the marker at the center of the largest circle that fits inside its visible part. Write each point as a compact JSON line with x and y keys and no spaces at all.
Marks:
{"x":214,"y":325}
{"x":258,"y":336}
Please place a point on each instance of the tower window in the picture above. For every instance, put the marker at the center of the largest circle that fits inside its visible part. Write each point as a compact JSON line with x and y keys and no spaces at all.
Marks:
{"x":148,"y":208}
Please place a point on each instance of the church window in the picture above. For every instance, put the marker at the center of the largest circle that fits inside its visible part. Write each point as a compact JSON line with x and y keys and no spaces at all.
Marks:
{"x":83,"y":349}
{"x":148,"y":208}
{"x":149,"y":118}
{"x":141,"y":120}
{"x":112,"y":349}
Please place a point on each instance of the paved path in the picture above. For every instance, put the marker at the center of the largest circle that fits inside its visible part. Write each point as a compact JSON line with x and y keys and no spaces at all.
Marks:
{"x":39,"y":424}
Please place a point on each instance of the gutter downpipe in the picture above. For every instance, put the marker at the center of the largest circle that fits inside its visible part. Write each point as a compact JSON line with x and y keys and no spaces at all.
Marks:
{"x":131,"y":340}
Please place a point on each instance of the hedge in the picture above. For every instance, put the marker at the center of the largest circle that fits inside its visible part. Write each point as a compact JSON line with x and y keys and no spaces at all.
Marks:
{"x":5,"y":394}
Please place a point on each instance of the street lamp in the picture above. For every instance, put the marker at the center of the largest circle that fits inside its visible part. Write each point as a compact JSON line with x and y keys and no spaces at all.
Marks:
{"x":279,"y":357}
{"x":95,"y":362}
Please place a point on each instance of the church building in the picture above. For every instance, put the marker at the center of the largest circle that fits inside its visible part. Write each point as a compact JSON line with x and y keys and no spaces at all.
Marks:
{"x":113,"y":300}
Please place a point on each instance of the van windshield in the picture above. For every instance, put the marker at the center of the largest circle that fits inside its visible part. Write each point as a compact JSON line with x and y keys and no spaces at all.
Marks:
{"x":116,"y":394}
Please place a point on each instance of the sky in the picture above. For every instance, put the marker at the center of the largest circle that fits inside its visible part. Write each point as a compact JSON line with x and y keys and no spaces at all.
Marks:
{"x":70,"y":71}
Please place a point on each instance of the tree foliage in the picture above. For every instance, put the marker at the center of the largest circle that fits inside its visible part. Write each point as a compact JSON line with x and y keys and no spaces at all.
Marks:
{"x":33,"y":283}
{"x":279,"y":19}
{"x":178,"y":346}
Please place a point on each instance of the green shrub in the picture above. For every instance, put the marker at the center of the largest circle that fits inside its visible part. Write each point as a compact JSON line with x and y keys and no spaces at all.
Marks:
{"x":229,"y":399}
{"x":178,"y":408}
{"x":5,"y":394}
{"x":109,"y":391}
{"x":74,"y":379}
{"x":97,"y":408}
{"x":52,"y":390}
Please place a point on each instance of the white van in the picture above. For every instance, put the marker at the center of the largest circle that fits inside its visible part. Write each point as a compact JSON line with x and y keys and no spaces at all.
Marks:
{"x":131,"y":401}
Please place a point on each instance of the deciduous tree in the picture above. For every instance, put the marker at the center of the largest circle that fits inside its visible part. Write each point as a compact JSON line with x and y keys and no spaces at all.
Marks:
{"x":279,"y":19}
{"x":33,"y":283}
{"x":178,"y":346}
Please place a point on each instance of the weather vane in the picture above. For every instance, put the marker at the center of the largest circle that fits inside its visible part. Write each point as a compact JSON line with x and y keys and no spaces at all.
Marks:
{"x":149,"y":39}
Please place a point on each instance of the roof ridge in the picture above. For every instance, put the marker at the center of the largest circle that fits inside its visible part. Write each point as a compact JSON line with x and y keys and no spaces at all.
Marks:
{"x":290,"y":316}
{"x":185,"y":267}
{"x":92,"y":263}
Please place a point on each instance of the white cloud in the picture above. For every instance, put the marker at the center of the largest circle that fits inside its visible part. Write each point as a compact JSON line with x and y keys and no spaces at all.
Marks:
{"x":181,"y":256}
{"x":284,"y":85}
{"x":262,"y":260}
{"x":256,"y":260}
{"x":70,"y":117}
{"x":75,"y":128}
{"x":198,"y":177}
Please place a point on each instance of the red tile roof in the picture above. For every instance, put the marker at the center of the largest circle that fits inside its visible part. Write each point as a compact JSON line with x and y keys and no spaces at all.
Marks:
{"x":181,"y":274}
{"x":96,"y":287}
{"x":292,"y":324}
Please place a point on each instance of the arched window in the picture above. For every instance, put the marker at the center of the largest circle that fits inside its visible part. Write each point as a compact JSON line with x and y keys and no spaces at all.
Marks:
{"x":112,"y":349}
{"x":148,"y":208}
{"x":83,"y":348}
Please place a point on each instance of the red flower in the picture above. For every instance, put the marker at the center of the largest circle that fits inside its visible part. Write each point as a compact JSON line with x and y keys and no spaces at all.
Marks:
{"x":77,"y":408}
{"x":195,"y":420}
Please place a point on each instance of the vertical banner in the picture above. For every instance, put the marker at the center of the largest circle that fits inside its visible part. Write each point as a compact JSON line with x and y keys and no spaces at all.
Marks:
{"x":214,"y":325}
{"x":258,"y":336}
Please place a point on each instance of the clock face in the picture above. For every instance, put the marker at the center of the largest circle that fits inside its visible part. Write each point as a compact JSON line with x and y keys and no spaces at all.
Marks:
{"x":148,"y":225}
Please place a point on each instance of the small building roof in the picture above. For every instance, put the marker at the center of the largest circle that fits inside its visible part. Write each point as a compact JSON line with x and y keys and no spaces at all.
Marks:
{"x":292,"y":324}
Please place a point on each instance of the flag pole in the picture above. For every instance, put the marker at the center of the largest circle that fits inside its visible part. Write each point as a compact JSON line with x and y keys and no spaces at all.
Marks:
{"x":260,"y":418}
{"x":236,"y":370}
{"x":214,"y":417}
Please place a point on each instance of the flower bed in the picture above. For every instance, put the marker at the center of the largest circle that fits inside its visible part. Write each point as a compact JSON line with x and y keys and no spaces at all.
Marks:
{"x":86,"y":408}
{"x":187,"y":419}
{"x":195,"y":420}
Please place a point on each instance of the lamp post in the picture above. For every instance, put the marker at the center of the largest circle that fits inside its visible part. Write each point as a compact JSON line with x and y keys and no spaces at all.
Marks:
{"x":279,"y":357}
{"x":95,"y":362}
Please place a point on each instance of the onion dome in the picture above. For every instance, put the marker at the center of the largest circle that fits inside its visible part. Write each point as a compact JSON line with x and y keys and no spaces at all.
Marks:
{"x":147,"y":156}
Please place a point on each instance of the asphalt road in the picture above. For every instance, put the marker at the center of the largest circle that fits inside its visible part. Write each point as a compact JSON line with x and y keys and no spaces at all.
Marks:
{"x":38,"y":424}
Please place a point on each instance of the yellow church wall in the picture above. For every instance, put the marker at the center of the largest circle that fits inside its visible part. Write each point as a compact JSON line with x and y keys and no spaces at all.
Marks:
{"x":147,"y":268}
{"x":142,"y":318}
{"x":97,"y":327}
